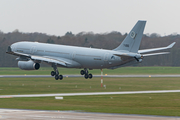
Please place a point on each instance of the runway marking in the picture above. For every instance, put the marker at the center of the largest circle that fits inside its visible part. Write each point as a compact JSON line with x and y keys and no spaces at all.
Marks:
{"x":92,"y":93}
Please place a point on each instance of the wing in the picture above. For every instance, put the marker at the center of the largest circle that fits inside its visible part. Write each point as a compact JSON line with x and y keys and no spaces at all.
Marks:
{"x":156,"y":49}
{"x":48,"y":59}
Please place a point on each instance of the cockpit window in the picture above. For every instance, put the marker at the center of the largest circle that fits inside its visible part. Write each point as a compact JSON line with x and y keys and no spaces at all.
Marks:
{"x":112,"y":58}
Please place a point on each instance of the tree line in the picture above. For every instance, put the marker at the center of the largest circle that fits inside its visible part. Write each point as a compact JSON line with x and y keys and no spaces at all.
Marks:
{"x":89,"y":39}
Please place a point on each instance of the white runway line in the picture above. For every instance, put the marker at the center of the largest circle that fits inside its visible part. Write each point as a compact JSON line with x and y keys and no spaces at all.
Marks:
{"x":105,"y":76}
{"x":92,"y":93}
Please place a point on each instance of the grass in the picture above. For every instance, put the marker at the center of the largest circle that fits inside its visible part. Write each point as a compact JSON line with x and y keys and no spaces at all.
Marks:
{"x":150,"y":104}
{"x":119,"y":71}
{"x":68,"y":85}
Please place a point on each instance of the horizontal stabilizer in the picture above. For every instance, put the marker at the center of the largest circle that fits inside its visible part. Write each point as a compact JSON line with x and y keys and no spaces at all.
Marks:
{"x":156,"y":49}
{"x":155,"y":54}
{"x":126,"y":55}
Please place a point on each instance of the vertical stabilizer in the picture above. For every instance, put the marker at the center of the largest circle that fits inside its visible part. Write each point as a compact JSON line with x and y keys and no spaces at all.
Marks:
{"x":132,"y":41}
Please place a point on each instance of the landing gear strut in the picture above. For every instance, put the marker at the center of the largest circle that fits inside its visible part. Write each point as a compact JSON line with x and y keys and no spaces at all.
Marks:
{"x":56,"y":73}
{"x":85,"y":73}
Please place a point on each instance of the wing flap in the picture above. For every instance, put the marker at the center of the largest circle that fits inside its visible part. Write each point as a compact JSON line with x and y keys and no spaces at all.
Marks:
{"x":144,"y":55}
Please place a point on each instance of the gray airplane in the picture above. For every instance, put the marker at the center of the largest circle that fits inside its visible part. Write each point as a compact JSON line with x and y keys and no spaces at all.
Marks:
{"x":31,"y":54}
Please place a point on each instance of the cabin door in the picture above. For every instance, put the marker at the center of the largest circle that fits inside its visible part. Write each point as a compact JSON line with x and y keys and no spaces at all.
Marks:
{"x":106,"y":59}
{"x":33,"y":50}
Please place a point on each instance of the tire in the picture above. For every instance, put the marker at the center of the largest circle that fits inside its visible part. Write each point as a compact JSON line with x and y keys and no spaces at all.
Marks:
{"x":60,"y":77}
{"x":82,"y":72}
{"x":86,"y":76}
{"x":56,"y":77}
{"x":52,"y":73}
{"x":90,"y":76}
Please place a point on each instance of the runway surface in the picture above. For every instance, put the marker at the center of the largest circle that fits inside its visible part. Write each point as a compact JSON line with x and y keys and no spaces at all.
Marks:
{"x":18,"y":114}
{"x":49,"y":76}
{"x":91,"y":93}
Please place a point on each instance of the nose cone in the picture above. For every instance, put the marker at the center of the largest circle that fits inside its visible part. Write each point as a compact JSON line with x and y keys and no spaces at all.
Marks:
{"x":11,"y":48}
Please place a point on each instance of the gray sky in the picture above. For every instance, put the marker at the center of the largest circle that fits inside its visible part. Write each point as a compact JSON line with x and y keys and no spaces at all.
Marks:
{"x":56,"y":17}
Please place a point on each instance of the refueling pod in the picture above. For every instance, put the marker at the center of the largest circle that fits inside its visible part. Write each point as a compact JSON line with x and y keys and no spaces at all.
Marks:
{"x":28,"y":65}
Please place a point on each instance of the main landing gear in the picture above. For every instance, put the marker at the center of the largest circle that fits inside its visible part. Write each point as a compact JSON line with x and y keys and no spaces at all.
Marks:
{"x":56,"y":73}
{"x":85,"y":73}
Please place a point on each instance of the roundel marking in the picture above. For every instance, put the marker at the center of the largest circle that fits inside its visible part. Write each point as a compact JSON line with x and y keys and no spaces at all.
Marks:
{"x":132,"y":34}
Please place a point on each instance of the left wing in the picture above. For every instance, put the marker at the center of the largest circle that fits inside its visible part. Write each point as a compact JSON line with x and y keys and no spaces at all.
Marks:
{"x":156,"y":49}
{"x":48,"y":59}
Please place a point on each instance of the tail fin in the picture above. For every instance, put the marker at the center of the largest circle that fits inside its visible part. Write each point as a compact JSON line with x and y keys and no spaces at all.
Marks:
{"x":132,"y":41}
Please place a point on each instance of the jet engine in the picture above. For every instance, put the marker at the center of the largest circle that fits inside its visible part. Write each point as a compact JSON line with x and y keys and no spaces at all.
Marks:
{"x":28,"y":65}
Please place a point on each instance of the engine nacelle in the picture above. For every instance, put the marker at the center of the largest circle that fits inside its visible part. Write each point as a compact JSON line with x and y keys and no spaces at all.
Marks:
{"x":28,"y":65}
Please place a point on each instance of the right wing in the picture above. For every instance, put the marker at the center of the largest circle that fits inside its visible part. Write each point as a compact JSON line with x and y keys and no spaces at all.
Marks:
{"x":156,"y":49}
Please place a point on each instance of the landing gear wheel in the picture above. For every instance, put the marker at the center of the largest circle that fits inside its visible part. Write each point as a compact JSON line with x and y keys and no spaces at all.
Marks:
{"x":52,"y":73}
{"x":56,"y":77}
{"x":60,"y":77}
{"x":56,"y":72}
{"x":86,"y":76}
{"x":82,"y":72}
{"x":90,"y":76}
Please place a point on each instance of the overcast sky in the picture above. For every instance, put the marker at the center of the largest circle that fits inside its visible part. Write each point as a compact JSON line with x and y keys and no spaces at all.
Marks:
{"x":56,"y":17}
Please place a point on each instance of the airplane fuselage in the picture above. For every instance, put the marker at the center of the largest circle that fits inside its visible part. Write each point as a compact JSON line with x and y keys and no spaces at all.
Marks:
{"x":78,"y":57}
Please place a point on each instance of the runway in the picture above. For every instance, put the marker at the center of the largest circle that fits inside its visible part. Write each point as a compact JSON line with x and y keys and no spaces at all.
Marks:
{"x":90,"y":93}
{"x":49,"y":76}
{"x":19,"y":114}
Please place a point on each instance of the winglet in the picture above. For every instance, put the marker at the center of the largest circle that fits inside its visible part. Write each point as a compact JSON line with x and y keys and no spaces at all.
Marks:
{"x":171,"y":45}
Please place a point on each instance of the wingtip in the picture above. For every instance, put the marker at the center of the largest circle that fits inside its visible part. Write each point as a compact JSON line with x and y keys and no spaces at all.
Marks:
{"x":171,"y":45}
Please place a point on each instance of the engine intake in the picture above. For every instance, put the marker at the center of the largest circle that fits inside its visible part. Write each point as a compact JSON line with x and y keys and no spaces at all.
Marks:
{"x":28,"y":65}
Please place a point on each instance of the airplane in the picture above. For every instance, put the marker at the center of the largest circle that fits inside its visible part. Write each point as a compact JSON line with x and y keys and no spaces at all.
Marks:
{"x":31,"y":54}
